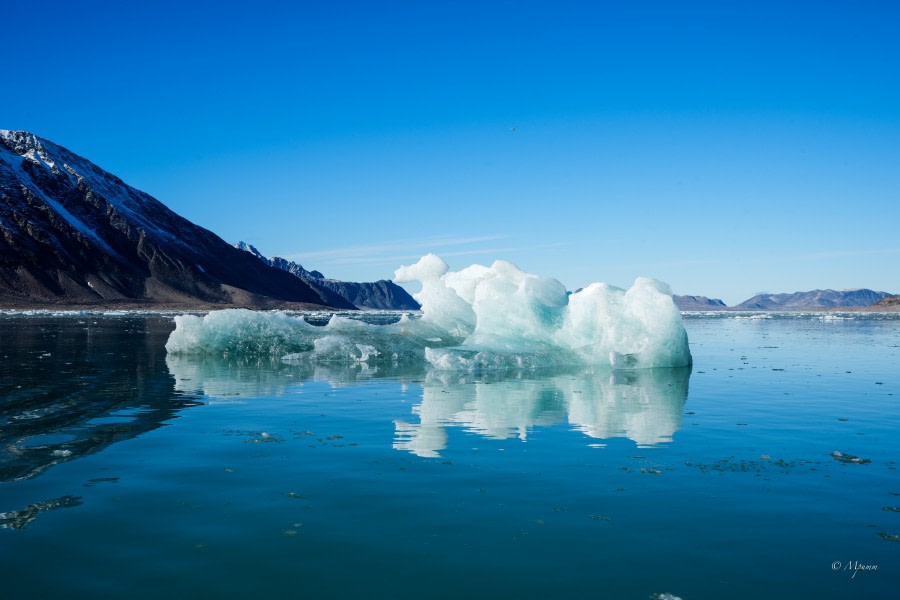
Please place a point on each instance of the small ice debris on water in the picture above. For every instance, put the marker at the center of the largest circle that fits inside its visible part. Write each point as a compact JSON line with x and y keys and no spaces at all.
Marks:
{"x":651,"y":471}
{"x":892,"y":508}
{"x":849,"y":458}
{"x":889,"y":537}
{"x":61,"y":453}
{"x":765,"y":456}
{"x":19,"y":519}
{"x":664,"y":596}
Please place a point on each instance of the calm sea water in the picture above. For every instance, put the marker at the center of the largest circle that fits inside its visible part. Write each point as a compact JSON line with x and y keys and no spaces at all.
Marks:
{"x":129,"y":473}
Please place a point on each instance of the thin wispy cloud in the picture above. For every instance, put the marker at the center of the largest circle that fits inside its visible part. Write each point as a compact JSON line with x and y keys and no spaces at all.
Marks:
{"x":400,"y":258}
{"x":399,"y":250}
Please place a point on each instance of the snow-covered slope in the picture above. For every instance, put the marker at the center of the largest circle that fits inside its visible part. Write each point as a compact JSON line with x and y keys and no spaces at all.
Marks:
{"x":71,"y":233}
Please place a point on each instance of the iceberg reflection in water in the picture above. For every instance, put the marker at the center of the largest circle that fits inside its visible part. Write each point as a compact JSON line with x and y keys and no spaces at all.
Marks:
{"x":643,"y":405}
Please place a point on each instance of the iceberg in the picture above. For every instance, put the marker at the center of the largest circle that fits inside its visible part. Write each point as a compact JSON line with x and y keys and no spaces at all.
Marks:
{"x":479,"y":318}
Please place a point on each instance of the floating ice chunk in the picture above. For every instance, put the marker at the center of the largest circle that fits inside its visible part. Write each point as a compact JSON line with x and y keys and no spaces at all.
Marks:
{"x":849,"y":458}
{"x":240,"y":331}
{"x":509,"y":316}
{"x":441,"y":305}
{"x":479,"y":318}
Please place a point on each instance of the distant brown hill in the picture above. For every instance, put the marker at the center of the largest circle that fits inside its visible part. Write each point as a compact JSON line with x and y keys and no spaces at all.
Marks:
{"x":814,"y":299}
{"x":889,"y":301}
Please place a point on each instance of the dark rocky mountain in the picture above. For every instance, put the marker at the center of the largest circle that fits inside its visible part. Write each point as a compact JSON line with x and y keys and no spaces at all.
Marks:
{"x":295,"y":269}
{"x":382,"y":294}
{"x":73,"y":234}
{"x":888,"y":302}
{"x":379,"y":295}
{"x":698,"y":303}
{"x":813,"y":299}
{"x":280,"y":263}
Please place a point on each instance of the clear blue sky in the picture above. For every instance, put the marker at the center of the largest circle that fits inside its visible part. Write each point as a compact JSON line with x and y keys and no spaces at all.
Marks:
{"x":726,"y":148}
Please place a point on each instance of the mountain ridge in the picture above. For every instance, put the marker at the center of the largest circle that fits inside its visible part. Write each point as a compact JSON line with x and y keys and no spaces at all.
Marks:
{"x":698,"y":303}
{"x":73,"y":234}
{"x":812,"y":299}
{"x":376,"y":295}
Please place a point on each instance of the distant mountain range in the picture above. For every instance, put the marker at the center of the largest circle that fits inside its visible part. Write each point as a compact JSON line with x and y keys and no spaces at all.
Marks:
{"x":698,"y":303}
{"x":813,"y":299}
{"x":816,"y":299}
{"x":383,"y":294}
{"x":74,"y":234}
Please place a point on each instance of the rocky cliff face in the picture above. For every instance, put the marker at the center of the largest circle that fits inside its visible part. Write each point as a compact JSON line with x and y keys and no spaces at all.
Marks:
{"x":383,"y":294}
{"x":813,"y":299}
{"x":377,"y":295}
{"x":71,"y":233}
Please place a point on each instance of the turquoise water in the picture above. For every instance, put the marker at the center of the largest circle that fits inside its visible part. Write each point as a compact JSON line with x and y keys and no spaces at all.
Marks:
{"x":127,"y":472}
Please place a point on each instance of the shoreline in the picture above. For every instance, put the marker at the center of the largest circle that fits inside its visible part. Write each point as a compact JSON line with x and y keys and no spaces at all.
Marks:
{"x":162,"y":307}
{"x":306,"y":307}
{"x":829,"y":309}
